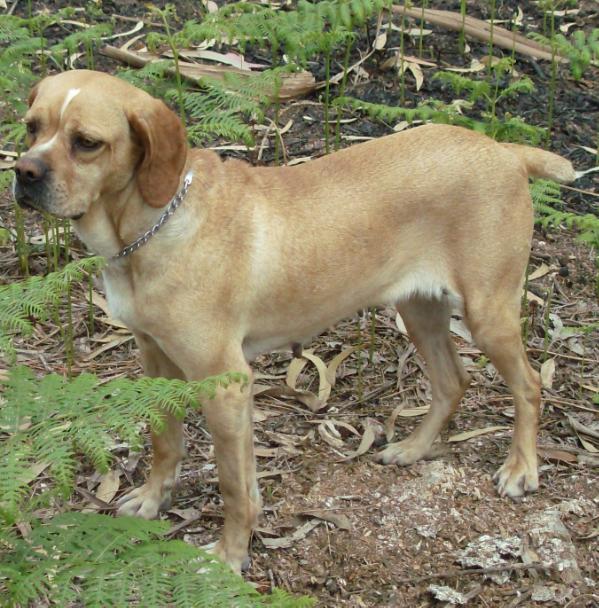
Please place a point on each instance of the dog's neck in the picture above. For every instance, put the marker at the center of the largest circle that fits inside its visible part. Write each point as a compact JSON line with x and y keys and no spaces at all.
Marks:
{"x":115,"y":220}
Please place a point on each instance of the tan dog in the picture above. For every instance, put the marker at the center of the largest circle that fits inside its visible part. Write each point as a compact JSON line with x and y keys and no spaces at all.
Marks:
{"x":259,"y":258}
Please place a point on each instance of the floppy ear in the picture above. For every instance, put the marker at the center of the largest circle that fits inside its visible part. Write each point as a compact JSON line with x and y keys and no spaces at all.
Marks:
{"x":162,"y":137}
{"x":33,"y":94}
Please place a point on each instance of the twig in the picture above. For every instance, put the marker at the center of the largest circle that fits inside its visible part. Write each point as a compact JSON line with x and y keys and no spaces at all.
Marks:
{"x":589,"y":192}
{"x":468,"y":572}
{"x":481,"y":30}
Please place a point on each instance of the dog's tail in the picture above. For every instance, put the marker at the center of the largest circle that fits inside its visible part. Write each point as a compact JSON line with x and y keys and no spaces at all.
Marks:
{"x":540,"y":163}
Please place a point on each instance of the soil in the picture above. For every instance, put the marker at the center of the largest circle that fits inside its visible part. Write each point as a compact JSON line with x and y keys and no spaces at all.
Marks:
{"x":432,"y":534}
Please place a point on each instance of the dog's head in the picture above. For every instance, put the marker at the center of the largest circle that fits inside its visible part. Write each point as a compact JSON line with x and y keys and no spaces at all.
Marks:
{"x":90,"y":135}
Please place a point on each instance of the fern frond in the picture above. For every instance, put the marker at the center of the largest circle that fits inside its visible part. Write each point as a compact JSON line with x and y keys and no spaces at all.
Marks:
{"x":547,"y":203}
{"x":101,"y":561}
{"x":35,"y":298}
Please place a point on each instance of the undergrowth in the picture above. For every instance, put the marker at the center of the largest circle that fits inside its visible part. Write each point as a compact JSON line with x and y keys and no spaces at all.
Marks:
{"x":48,"y":423}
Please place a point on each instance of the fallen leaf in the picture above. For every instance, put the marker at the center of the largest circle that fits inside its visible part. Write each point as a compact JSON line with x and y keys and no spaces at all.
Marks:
{"x":106,"y":491}
{"x":294,"y":370}
{"x":531,"y":297}
{"x":547,"y":373}
{"x":367,"y":440}
{"x":324,"y":386}
{"x":539,"y":272}
{"x":284,"y":542}
{"x":476,"y":433}
{"x":330,"y":434}
{"x":33,"y":472}
{"x":390,"y":422}
{"x":340,"y":520}
{"x":336,"y":362}
{"x":100,"y":301}
{"x":417,"y":73}
{"x":410,"y":412}
{"x":380,"y":41}
{"x":309,"y":399}
{"x":109,"y":486}
{"x":557,"y":455}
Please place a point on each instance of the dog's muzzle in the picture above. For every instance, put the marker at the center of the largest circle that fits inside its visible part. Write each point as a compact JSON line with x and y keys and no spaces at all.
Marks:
{"x":30,"y":182}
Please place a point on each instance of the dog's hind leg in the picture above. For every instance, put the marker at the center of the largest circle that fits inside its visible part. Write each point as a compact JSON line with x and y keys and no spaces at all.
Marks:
{"x":495,"y":325}
{"x":427,"y":322}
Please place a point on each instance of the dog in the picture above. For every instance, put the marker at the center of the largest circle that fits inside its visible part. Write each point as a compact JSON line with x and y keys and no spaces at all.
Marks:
{"x":252,"y":259}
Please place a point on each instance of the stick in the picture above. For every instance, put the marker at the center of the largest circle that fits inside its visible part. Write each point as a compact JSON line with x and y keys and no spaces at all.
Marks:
{"x":476,"y":28}
{"x":468,"y":572}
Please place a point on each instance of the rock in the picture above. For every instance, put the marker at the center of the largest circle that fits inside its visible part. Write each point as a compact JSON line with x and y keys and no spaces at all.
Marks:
{"x":489,"y":552}
{"x":447,"y":594}
{"x":553,"y":544}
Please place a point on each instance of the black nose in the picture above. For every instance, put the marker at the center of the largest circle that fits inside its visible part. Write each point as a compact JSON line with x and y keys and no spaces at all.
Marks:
{"x":30,"y":170}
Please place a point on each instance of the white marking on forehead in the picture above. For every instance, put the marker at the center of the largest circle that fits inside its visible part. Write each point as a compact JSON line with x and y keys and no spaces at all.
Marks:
{"x":46,"y":145}
{"x":71,"y":94}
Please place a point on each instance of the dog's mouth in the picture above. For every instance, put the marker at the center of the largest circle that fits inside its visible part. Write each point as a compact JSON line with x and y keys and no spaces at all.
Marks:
{"x":27,"y":202}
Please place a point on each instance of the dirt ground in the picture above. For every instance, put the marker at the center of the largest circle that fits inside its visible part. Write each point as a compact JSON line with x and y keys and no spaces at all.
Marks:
{"x":351,"y":532}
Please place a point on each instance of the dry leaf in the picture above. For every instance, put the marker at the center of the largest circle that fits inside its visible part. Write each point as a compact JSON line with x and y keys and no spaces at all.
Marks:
{"x":34,"y":471}
{"x":309,"y":399}
{"x":557,"y":455}
{"x":476,"y":433}
{"x":106,"y":491}
{"x":114,"y":343}
{"x":531,"y":297}
{"x":284,"y":542}
{"x":338,"y":519}
{"x":380,"y":41}
{"x":417,"y":73}
{"x":410,"y":412}
{"x":390,"y":422}
{"x":330,"y":434}
{"x":336,"y":362}
{"x":109,"y":486}
{"x":582,"y":428}
{"x":367,"y":440}
{"x":294,"y":370}
{"x":547,"y":373}
{"x":539,"y":272}
{"x":324,"y":386}
{"x":100,"y":301}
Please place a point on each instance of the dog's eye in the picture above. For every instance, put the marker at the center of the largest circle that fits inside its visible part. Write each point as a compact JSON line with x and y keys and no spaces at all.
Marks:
{"x":87,"y":144}
{"x":31,"y":128}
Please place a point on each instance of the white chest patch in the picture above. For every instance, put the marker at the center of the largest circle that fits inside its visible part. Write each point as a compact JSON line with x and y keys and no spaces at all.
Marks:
{"x":119,"y":296}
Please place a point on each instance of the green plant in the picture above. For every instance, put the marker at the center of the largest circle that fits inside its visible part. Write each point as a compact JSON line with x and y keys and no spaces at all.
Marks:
{"x":511,"y":128}
{"x":36,"y":298}
{"x":581,"y":49}
{"x":299,"y":34}
{"x":550,"y":213}
{"x":97,"y":561}
{"x":47,"y":424}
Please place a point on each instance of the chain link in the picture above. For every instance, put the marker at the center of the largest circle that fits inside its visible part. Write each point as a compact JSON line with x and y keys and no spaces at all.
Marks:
{"x":166,"y":214}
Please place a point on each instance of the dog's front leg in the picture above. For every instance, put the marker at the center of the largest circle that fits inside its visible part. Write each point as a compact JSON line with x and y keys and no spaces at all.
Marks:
{"x":168,"y":446}
{"x":229,"y":419}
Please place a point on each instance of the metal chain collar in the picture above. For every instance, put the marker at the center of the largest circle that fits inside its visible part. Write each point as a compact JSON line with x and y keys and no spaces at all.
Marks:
{"x":166,"y":214}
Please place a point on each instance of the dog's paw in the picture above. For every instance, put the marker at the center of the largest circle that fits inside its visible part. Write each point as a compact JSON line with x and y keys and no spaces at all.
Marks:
{"x":402,"y":453}
{"x":516,"y":476}
{"x":144,"y":502}
{"x":238,"y":561}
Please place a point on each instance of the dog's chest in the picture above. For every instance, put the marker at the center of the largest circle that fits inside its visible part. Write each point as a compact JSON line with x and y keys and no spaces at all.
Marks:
{"x":119,"y":295}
